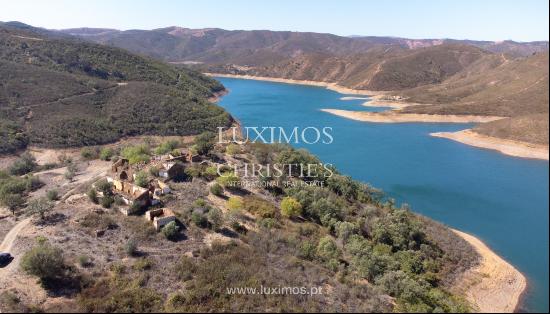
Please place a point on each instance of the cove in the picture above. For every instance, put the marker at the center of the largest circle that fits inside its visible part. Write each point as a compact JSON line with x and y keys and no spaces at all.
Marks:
{"x":502,"y":200}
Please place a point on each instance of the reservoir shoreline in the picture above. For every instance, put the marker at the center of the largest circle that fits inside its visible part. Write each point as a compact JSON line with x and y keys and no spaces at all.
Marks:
{"x":507,"y":147}
{"x":491,"y":277}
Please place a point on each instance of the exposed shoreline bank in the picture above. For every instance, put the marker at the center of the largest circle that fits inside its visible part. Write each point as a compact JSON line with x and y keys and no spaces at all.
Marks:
{"x":396,"y":117}
{"x":504,"y":146}
{"x":494,"y":286}
{"x":332,"y":86}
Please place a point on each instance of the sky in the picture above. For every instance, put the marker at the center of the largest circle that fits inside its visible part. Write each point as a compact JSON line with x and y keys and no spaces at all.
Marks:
{"x":520,"y":20}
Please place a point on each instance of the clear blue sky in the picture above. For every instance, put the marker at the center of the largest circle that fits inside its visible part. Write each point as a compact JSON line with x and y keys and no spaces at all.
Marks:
{"x":522,"y":20}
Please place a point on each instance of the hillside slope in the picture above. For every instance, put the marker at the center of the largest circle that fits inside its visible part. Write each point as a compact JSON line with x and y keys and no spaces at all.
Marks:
{"x":59,"y":92}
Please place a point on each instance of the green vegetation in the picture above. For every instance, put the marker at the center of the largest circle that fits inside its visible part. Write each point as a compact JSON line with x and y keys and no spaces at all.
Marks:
{"x":216,"y":189}
{"x":142,"y":179}
{"x":24,"y":164}
{"x":137,"y":154}
{"x":290,"y":207}
{"x":170,"y":231}
{"x":106,"y":153}
{"x":166,"y":147}
{"x":204,"y":143}
{"x":39,"y":206}
{"x":44,"y":261}
{"x":72,"y":89}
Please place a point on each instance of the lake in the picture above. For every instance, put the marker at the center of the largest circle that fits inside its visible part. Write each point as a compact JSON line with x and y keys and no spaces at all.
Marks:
{"x":500,"y":199}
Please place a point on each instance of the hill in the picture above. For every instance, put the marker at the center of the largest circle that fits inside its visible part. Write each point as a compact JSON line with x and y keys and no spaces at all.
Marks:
{"x":494,"y":86}
{"x":61,"y":92}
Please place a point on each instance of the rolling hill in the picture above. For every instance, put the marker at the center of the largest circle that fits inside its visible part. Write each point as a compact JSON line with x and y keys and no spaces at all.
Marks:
{"x":60,"y":92}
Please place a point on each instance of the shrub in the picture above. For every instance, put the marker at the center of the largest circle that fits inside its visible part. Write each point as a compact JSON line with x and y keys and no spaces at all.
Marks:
{"x":259,"y":207}
{"x":12,"y":201}
{"x":92,"y":195}
{"x":89,"y":153}
{"x":84,"y":261}
{"x":166,"y":147}
{"x":193,"y":171}
{"x":32,"y":183}
{"x":235,"y":203}
{"x":136,"y":154}
{"x":44,"y":261}
{"x":327,"y":249}
{"x":170,"y":231}
{"x":307,"y":250}
{"x":345,"y":229}
{"x":290,"y":207}
{"x":154,"y":171}
{"x":229,"y":180}
{"x":215,"y":216}
{"x":52,"y":195}
{"x":210,"y":173}
{"x":107,"y":201}
{"x":185,"y":268}
{"x":106,"y":153}
{"x":204,"y":143}
{"x":233,"y":149}
{"x":268,"y":223}
{"x":131,"y":247}
{"x":199,"y":220}
{"x":39,"y":206}
{"x":24,"y":164}
{"x":104,"y":187}
{"x":141,"y":179}
{"x":216,"y":189}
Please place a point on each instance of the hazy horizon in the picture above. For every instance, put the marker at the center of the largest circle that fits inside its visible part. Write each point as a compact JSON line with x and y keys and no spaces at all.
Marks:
{"x":421,"y":19}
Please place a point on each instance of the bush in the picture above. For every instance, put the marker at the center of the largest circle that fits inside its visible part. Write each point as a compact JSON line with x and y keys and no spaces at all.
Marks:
{"x":107,"y":201}
{"x":44,"y":261}
{"x":104,"y":187}
{"x":131,"y":247}
{"x":210,"y":173}
{"x":170,"y":231}
{"x":84,"y":261}
{"x":216,"y":189}
{"x":199,"y":219}
{"x":235,"y":203}
{"x":215,"y":216}
{"x":106,"y":153}
{"x":185,"y":268}
{"x":24,"y":164}
{"x":92,"y":195}
{"x":52,"y":195}
{"x":166,"y":147}
{"x":204,"y":143}
{"x":307,"y":250}
{"x":229,"y":180}
{"x":327,"y":249}
{"x":345,"y":229}
{"x":259,"y":207}
{"x":136,"y":154}
{"x":233,"y":149}
{"x":12,"y":201}
{"x":290,"y":207}
{"x":39,"y":206}
{"x":89,"y":153}
{"x":141,"y":179}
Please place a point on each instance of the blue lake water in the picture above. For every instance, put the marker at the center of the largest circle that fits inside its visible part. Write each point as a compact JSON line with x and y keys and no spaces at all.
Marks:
{"x":500,"y":199}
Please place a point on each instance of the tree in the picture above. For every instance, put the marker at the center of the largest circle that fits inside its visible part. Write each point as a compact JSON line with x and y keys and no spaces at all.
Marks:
{"x":39,"y":206}
{"x":215,"y":216}
{"x":204,"y":142}
{"x":170,"y":231}
{"x":44,"y":261}
{"x":12,"y":202}
{"x":290,"y":207}
{"x":141,"y":179}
